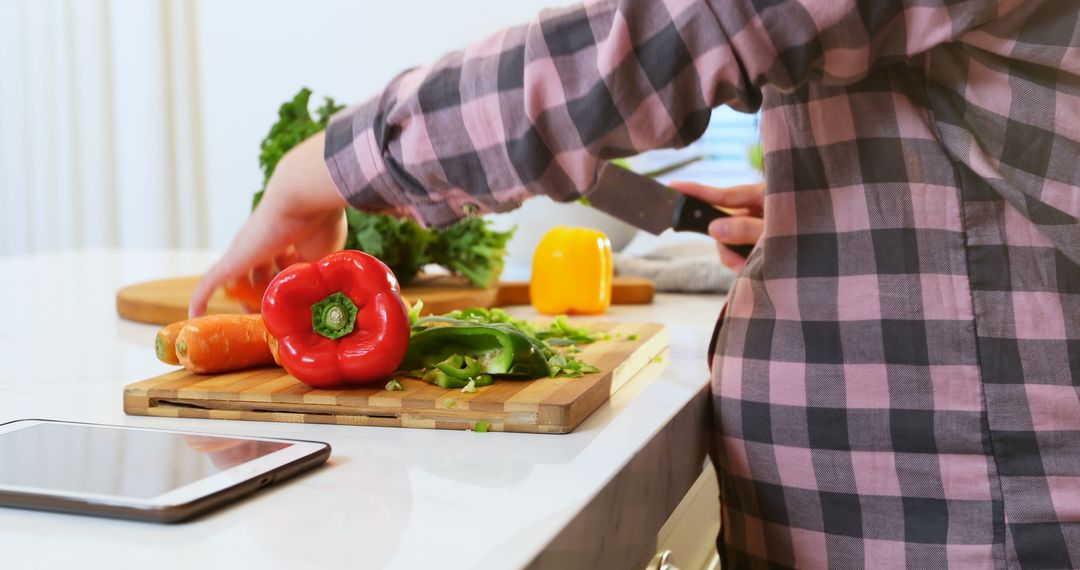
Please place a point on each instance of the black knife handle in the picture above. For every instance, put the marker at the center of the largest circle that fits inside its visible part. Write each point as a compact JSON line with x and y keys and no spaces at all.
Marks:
{"x":693,"y":215}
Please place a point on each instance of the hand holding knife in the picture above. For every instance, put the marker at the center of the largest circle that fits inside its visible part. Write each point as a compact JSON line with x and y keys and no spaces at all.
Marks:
{"x":649,"y":205}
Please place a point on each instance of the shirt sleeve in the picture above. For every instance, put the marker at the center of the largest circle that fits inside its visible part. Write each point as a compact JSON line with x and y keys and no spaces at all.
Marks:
{"x":537,"y":109}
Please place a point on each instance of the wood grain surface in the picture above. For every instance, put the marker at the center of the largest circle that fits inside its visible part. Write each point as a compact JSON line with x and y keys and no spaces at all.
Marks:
{"x":624,"y":291}
{"x":545,"y":405}
{"x":165,"y":301}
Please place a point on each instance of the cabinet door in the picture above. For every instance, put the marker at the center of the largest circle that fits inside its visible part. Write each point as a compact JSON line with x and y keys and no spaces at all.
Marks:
{"x":687,"y":541}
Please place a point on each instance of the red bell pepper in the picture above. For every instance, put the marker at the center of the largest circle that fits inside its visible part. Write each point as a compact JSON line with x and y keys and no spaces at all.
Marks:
{"x":338,"y":321}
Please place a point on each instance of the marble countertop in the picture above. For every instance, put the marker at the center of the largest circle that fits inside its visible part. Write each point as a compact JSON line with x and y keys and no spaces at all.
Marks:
{"x":399,"y":498}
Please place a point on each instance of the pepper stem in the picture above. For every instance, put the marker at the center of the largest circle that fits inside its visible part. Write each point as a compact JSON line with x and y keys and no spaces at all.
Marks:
{"x":334,"y":316}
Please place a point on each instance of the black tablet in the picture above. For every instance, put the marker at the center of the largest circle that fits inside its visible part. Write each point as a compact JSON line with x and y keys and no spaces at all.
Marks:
{"x":139,"y":473}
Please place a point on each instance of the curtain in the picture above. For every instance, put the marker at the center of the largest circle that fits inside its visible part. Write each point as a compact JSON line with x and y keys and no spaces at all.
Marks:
{"x":101,"y":141}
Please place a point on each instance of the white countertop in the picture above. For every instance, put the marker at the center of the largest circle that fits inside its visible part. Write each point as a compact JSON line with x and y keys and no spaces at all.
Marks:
{"x":401,"y":498}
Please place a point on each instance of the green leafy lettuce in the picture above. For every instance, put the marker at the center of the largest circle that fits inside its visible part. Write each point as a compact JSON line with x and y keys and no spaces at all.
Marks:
{"x":470,"y":248}
{"x":294,"y":124}
{"x":400,"y":243}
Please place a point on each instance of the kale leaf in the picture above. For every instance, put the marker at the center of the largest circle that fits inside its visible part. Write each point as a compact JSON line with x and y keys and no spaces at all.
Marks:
{"x":294,"y":124}
{"x":399,"y":242}
{"x":470,"y":248}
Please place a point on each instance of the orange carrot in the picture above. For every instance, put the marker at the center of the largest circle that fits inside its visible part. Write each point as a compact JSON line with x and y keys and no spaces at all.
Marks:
{"x":274,"y":350}
{"x":165,"y":342}
{"x":219,"y":343}
{"x":246,"y":294}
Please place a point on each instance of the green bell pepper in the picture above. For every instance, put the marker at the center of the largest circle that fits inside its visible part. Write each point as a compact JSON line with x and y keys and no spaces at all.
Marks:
{"x":460,"y":367}
{"x":493,"y":349}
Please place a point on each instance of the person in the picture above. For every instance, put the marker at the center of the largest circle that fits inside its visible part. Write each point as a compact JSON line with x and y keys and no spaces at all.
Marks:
{"x":895,"y":373}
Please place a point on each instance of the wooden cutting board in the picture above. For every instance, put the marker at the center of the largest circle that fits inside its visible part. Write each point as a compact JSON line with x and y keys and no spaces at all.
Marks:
{"x":545,"y":405}
{"x":624,"y":291}
{"x":165,"y":301}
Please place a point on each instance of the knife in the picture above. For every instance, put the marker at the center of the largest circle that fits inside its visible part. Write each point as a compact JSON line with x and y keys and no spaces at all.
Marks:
{"x":649,"y":205}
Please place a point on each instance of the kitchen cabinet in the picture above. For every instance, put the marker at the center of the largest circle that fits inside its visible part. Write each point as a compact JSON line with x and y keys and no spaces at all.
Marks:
{"x":687,"y":541}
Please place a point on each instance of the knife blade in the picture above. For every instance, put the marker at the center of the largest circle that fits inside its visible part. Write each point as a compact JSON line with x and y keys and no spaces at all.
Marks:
{"x":649,"y":205}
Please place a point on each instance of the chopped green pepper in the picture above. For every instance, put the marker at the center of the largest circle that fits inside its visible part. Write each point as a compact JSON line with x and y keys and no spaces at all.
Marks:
{"x":460,"y":367}
{"x":414,"y":311}
{"x":442,"y":379}
{"x":495,"y":349}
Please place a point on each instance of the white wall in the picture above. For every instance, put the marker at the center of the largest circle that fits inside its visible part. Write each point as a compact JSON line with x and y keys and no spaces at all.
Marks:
{"x":137,"y":122}
{"x":259,"y":54}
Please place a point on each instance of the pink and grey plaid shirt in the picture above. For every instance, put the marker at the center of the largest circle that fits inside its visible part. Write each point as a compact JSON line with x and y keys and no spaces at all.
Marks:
{"x":896,"y":377}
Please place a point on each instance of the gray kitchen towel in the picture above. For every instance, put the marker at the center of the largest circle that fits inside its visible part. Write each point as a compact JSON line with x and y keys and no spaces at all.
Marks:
{"x":680,"y":268}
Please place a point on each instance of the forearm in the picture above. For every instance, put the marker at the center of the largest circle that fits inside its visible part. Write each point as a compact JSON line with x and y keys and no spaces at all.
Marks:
{"x":537,"y":109}
{"x":303,"y":167}
{"x":531,"y":110}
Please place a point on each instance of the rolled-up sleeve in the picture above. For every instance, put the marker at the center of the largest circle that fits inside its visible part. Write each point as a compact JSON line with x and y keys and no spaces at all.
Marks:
{"x":536,"y":109}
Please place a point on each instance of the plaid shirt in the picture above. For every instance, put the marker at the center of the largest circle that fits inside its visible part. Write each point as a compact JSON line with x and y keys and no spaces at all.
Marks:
{"x":896,"y":378}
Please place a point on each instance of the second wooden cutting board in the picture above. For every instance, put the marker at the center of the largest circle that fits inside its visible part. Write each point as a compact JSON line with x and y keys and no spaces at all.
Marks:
{"x":165,"y":301}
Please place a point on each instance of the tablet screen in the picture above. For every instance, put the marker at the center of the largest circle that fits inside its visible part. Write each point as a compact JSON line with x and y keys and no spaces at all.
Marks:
{"x":105,"y":460}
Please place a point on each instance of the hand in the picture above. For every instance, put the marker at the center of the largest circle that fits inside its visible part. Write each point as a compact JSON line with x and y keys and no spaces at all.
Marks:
{"x":301,"y":218}
{"x":745,"y":226}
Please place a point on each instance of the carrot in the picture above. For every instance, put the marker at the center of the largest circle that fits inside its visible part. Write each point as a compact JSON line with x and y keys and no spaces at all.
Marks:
{"x":246,"y":294}
{"x":219,"y":343}
{"x":165,"y":342}
{"x":275,"y":351}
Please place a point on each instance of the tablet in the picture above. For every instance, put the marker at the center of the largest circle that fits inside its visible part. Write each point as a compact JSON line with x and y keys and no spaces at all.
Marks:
{"x":139,"y":473}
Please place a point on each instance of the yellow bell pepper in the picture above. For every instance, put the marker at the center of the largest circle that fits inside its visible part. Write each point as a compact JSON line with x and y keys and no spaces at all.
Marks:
{"x":571,"y":272}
